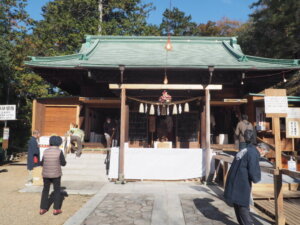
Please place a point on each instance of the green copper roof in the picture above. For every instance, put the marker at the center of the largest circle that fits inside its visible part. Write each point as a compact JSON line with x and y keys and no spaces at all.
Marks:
{"x":149,"y":52}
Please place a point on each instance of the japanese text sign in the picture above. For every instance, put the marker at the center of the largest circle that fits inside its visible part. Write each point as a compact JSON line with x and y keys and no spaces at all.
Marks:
{"x":7,"y":112}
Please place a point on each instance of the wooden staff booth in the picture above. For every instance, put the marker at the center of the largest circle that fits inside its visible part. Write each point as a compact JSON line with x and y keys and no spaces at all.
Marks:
{"x":54,"y":116}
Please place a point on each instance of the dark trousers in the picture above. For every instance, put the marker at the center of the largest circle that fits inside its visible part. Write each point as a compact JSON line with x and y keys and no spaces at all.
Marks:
{"x":45,"y":193}
{"x":243,"y":214}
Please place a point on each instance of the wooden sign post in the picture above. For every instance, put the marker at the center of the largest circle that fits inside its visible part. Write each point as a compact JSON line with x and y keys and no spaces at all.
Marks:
{"x":276,"y":106}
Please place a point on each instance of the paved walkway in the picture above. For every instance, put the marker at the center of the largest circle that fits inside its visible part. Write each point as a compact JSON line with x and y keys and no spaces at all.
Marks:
{"x":157,"y":203}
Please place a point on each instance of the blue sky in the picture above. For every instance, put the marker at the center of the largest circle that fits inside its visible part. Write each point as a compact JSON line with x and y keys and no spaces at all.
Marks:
{"x":200,"y":10}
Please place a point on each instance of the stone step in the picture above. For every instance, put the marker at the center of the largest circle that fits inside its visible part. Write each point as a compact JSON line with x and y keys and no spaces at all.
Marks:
{"x":84,"y":168}
{"x":84,"y":178}
{"x":88,"y":167}
{"x":86,"y":156}
{"x":84,"y":173}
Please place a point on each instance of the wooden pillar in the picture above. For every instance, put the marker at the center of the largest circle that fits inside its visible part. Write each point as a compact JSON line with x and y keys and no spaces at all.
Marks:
{"x":207,"y":127}
{"x":127,"y":124}
{"x":87,"y":128}
{"x":251,"y":109}
{"x":203,"y":128}
{"x":278,"y":193}
{"x":33,"y":126}
{"x":122,"y":135}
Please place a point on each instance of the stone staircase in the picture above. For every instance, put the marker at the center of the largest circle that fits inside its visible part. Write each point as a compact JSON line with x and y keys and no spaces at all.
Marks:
{"x":85,"y":174}
{"x":88,"y":167}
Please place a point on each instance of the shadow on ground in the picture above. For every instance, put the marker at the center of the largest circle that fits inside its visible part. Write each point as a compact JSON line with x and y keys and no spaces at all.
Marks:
{"x":63,"y":195}
{"x":205,"y":206}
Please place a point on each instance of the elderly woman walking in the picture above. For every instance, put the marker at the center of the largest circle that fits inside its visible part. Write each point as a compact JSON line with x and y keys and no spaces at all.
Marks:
{"x":53,"y":159}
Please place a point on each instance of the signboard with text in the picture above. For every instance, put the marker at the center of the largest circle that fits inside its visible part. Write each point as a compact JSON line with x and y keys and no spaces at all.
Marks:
{"x":276,"y":104}
{"x":7,"y":112}
{"x":5,"y":133}
{"x":293,"y":123}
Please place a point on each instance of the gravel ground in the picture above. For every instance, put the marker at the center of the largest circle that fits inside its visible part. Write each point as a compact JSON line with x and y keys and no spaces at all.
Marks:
{"x":23,"y":208}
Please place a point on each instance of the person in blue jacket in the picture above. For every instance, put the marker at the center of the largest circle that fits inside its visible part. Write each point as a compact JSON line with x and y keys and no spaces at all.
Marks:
{"x":244,"y":171}
{"x":33,"y":151}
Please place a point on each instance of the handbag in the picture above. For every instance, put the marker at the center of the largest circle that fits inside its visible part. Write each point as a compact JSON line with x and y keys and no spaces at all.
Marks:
{"x":35,"y":159}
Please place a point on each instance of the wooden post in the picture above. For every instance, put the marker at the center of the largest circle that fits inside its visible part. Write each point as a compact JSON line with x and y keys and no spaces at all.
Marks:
{"x":272,"y":110}
{"x":122,"y":136}
{"x":225,"y":172}
{"x":33,"y":126}
{"x":87,"y":128}
{"x":127,"y":124}
{"x":203,"y":128}
{"x":207,"y":127}
{"x":278,"y":192}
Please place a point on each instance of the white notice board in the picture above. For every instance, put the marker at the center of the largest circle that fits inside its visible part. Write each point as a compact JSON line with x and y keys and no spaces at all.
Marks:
{"x":276,"y":104}
{"x":293,"y":113}
{"x":293,"y":123}
{"x":7,"y":112}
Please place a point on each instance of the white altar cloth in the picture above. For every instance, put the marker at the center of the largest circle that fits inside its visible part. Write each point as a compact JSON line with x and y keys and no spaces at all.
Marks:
{"x":159,"y":164}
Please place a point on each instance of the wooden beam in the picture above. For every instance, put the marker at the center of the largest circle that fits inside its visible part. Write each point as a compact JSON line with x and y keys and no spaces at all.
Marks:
{"x":235,"y":100}
{"x":122,"y":136}
{"x":224,"y":158}
{"x":166,"y":86}
{"x":293,"y":174}
{"x":99,"y":100}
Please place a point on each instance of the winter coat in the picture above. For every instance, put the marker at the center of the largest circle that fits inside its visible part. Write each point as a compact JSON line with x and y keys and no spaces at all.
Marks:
{"x":108,"y":128}
{"x":243,"y":171}
{"x":240,"y":130}
{"x":53,"y":159}
{"x":33,"y":150}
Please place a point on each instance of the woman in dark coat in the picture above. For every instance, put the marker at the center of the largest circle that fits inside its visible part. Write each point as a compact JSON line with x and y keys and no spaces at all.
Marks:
{"x":244,"y":171}
{"x":53,"y":159}
{"x":33,"y":151}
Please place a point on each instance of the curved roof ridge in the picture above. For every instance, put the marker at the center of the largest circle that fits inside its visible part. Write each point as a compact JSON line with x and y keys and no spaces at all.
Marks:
{"x":55,"y":58}
{"x":117,"y":37}
{"x":88,"y":48}
{"x":235,"y":51}
{"x":274,"y":61}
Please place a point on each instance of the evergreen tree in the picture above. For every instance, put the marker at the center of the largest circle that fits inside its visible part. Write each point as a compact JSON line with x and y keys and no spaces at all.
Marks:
{"x":67,"y":21}
{"x":17,"y":84}
{"x":274,"y":29}
{"x":177,"y":23}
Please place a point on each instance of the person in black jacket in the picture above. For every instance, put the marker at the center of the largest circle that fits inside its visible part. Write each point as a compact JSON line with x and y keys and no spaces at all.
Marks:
{"x":109,"y":131}
{"x":244,"y":170}
{"x":33,"y":152}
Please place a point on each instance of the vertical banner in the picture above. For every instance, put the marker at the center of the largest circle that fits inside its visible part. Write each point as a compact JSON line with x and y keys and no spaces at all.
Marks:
{"x":5,"y":138}
{"x":293,"y":123}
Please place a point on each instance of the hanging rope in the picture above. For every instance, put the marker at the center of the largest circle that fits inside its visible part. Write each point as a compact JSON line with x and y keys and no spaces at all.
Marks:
{"x":159,"y":103}
{"x":269,"y":75}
